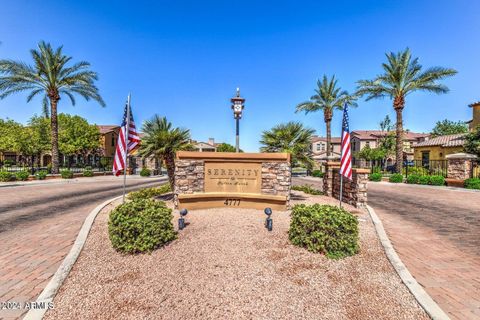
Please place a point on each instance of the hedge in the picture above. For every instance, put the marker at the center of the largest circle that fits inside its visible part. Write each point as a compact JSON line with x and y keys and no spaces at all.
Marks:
{"x":324,"y":229}
{"x":376,"y":176}
{"x":396,"y":178}
{"x":140,"y":226}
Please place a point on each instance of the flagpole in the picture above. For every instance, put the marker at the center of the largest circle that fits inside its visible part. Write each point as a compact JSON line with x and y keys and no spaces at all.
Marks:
{"x":341,"y":188}
{"x":127,"y":127}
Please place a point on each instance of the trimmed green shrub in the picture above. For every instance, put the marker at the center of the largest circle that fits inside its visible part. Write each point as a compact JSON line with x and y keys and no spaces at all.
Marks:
{"x":324,"y":228}
{"x":141,"y":226}
{"x":396,"y":178}
{"x":472,"y":183}
{"x":307,"y":188}
{"x":6,"y":176}
{"x":145,"y":172}
{"x":423,"y":180}
{"x":66,"y":174}
{"x":376,"y":176}
{"x":149,"y":192}
{"x":88,"y":173}
{"x":22,"y":175}
{"x":41,"y":175}
{"x":437,"y":180}
{"x":416,"y":171}
{"x":317,"y":174}
{"x":413,"y":178}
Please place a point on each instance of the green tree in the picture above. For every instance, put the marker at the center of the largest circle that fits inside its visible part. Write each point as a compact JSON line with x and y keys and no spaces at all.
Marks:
{"x":51,"y":77}
{"x":162,"y":141}
{"x":8,"y":135}
{"x":76,"y":135}
{"x":403,"y":75}
{"x":446,"y":127}
{"x":472,"y":142}
{"x":33,"y":139}
{"x":328,"y":97}
{"x":368,"y":153}
{"x":292,"y":138}
{"x":225,"y":147}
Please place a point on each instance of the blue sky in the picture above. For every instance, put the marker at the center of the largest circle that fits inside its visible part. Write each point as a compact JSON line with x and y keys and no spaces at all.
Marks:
{"x":184,"y":59}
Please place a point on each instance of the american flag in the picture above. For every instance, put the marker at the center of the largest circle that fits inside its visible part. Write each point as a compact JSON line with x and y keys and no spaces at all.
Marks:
{"x":346,"y":162}
{"x":132,"y":138}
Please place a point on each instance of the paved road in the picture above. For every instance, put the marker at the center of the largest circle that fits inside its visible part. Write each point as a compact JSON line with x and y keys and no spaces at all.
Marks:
{"x":436,"y":232}
{"x":38,"y":225}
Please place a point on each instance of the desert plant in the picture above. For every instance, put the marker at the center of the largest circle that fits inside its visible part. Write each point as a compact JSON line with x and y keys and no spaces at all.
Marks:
{"x":140,"y":226}
{"x":145,"y":172}
{"x":41,"y":175}
{"x":396,"y":178}
{"x":413,"y":178}
{"x":376,"y":176}
{"x":22,"y":175}
{"x":472,"y":183}
{"x":326,"y":229}
{"x":149,"y":192}
{"x":66,"y":174}
{"x":437,"y":180}
{"x":307,"y":188}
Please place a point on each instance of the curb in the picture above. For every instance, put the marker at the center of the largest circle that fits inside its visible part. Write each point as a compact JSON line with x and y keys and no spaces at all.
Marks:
{"x":62,"y":272}
{"x":422,"y":297}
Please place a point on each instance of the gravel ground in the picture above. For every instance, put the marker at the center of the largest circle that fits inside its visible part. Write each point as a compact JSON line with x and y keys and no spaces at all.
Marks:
{"x":226,"y":265}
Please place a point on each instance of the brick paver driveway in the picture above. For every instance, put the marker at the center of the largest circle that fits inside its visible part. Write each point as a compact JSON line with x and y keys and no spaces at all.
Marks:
{"x":38,"y":225}
{"x":436,"y":232}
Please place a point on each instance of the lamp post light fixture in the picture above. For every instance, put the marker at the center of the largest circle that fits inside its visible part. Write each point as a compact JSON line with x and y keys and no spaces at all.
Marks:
{"x":237,"y":107}
{"x":181,"y":220}
{"x":268,"y":221}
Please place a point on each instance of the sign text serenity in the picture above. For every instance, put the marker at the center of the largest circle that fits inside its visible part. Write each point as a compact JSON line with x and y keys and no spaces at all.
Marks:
{"x":233,"y":177}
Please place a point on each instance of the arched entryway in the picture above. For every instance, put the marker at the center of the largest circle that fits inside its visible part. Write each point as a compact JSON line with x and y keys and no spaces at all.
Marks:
{"x":46,"y":160}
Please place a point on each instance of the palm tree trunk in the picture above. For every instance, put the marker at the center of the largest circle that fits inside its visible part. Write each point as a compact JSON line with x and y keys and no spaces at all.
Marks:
{"x":399,"y":142}
{"x":170,"y":164}
{"x":329,"y":136}
{"x":54,"y":124}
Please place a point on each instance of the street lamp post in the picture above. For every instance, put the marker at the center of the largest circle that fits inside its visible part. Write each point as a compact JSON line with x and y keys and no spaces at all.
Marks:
{"x":237,"y":107}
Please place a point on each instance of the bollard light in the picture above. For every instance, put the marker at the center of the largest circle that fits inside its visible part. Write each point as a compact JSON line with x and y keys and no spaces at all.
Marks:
{"x":181,"y":220}
{"x":268,"y":221}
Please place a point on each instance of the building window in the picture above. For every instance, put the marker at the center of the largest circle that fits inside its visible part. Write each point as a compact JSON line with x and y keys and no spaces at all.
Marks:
{"x":113,"y":140}
{"x":323,"y":147}
{"x":319,"y":146}
{"x":367,"y":144}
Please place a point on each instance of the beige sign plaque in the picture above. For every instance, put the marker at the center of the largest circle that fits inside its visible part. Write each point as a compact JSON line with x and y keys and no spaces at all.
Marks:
{"x":233,"y":177}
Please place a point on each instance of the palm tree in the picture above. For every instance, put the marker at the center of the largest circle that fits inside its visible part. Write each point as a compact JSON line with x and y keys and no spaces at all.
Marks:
{"x":51,"y":77}
{"x":402,"y":76}
{"x":291,"y":137}
{"x":162,"y":141}
{"x":328,"y":97}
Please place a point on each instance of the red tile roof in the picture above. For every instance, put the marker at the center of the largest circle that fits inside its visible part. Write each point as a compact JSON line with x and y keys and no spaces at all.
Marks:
{"x":375,"y":134}
{"x":334,"y":139}
{"x":451,"y":140}
{"x":106,"y":128}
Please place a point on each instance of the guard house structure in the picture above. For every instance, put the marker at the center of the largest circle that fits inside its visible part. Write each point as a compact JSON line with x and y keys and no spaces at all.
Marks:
{"x":223,"y":179}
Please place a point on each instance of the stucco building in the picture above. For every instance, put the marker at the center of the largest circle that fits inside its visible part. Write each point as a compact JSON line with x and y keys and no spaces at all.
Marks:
{"x":319,"y":148}
{"x":437,"y":148}
{"x":372,"y":138}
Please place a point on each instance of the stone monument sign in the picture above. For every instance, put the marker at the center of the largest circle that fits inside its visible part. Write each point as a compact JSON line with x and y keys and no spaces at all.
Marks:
{"x":222,"y":179}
